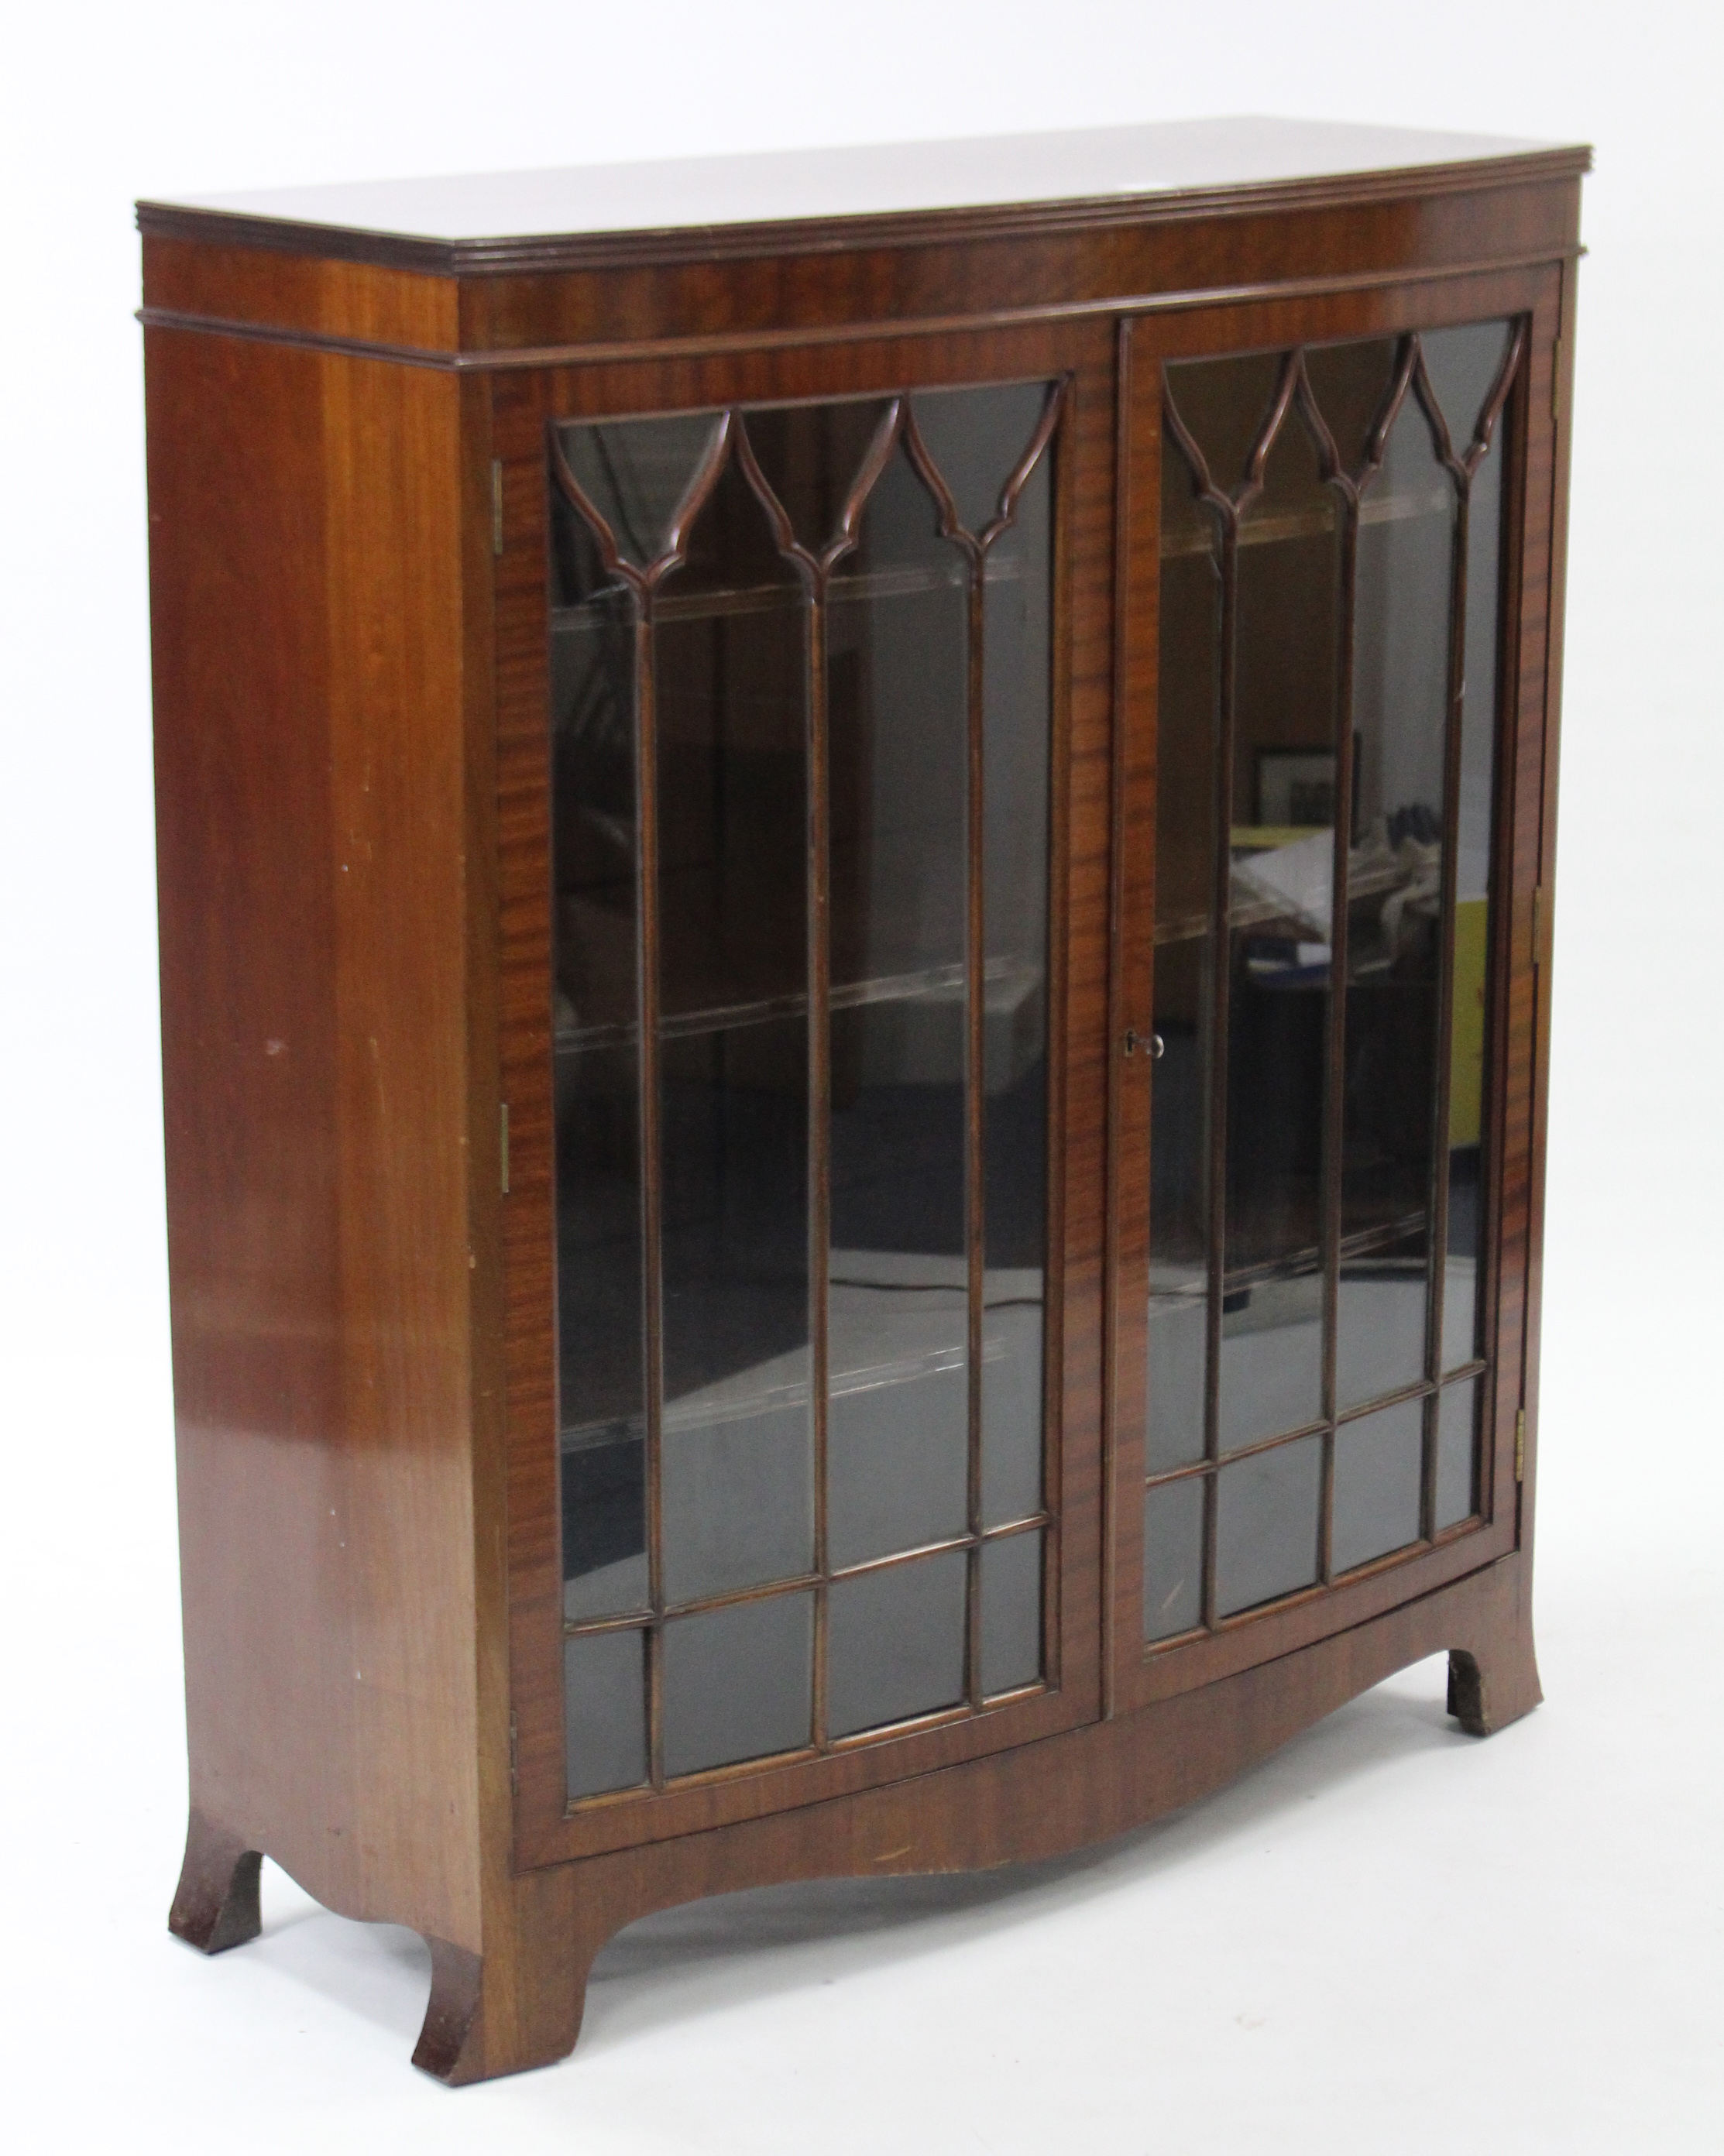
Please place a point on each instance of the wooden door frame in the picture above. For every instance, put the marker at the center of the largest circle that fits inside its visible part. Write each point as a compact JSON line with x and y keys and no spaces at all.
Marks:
{"x":545,"y":1831}
{"x":1138,"y":1676}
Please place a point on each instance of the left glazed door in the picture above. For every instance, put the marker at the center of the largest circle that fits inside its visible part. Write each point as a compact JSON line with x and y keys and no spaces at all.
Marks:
{"x":807,"y":670}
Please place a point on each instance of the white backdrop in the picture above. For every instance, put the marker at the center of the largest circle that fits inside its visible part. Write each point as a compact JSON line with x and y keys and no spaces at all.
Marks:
{"x":1389,"y":1938}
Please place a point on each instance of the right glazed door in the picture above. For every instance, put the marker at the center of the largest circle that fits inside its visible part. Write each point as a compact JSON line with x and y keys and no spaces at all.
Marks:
{"x":1317,"y":1098}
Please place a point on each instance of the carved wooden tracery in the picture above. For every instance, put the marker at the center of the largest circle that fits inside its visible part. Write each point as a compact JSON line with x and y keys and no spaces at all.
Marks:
{"x":729,"y":438}
{"x":1294,"y":395}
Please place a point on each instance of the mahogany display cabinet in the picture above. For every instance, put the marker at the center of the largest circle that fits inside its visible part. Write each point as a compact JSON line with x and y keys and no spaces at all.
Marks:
{"x":855,"y":870}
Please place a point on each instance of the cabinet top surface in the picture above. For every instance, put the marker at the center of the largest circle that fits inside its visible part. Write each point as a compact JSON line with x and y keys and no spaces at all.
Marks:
{"x":493,"y":213}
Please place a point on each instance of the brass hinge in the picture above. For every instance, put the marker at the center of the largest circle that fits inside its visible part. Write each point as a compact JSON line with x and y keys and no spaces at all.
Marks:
{"x":1521,"y":1445}
{"x":496,"y":504}
{"x":503,"y":1145}
{"x":514,"y":1755}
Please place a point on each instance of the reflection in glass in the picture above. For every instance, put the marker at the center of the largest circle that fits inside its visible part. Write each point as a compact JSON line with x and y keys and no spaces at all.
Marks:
{"x":1458,"y":1453}
{"x":1266,"y":1528}
{"x":895,"y":1643}
{"x":1011,"y":1613}
{"x":604,"y":1711}
{"x":1314,"y":651}
{"x":1282,"y":812}
{"x":1378,"y":1472}
{"x":1173,"y":1557}
{"x":738,"y":1682}
{"x":1394,"y":914}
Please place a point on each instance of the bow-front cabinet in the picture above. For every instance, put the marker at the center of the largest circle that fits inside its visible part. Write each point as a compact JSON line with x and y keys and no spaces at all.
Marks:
{"x":855,"y":887}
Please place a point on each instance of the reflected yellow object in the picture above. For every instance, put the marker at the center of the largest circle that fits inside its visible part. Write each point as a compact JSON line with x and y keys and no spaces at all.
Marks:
{"x":1467,"y":1064}
{"x":1260,"y":838}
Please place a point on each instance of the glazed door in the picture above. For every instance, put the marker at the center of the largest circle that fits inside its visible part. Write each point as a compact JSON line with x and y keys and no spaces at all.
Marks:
{"x":1335,"y":532}
{"x":808,"y":678}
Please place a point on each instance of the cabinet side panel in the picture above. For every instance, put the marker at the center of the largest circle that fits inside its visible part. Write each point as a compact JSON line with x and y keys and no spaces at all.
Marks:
{"x":307,"y":683}
{"x":393,"y":463}
{"x":248,"y":1039}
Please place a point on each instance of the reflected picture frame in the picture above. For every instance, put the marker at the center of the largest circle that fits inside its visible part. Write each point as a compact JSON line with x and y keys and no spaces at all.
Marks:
{"x":1296,"y":787}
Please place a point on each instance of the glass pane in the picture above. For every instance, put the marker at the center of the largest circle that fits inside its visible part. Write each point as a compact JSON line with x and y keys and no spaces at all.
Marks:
{"x":601,"y":1380}
{"x":1224,"y":404}
{"x":738,"y":1478}
{"x":1271,"y":1357}
{"x":1457,"y":1453}
{"x":976,"y":437}
{"x":1463,"y":365}
{"x":1379,"y":1473}
{"x":599,"y":1279}
{"x":1282,"y":838}
{"x":1173,"y":1557}
{"x":898,"y":673}
{"x":1275,"y":756}
{"x":1351,"y":384}
{"x":897,"y":1471}
{"x":738,"y":1488}
{"x":1380,"y":1308}
{"x":1017,"y":738}
{"x":1187,"y":738}
{"x":729,"y":667}
{"x":1178,"y":1356}
{"x":811,"y":455}
{"x":1266,"y":1535}
{"x":635,"y":473}
{"x":1011,"y":1613}
{"x":729,"y":652}
{"x":895,"y":1643}
{"x":1394,"y":913}
{"x":738,"y":1682}
{"x":1463,"y":1334}
{"x":604,"y":1711}
{"x":604,"y":1566}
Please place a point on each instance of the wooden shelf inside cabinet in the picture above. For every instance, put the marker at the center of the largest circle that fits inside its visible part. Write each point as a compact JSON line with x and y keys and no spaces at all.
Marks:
{"x":854,"y":1077}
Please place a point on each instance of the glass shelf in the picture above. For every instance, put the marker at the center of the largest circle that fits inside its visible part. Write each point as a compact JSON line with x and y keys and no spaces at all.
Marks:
{"x":870,"y":587}
{"x":1372,"y":872}
{"x":1270,"y":530}
{"x":1008,"y":985}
